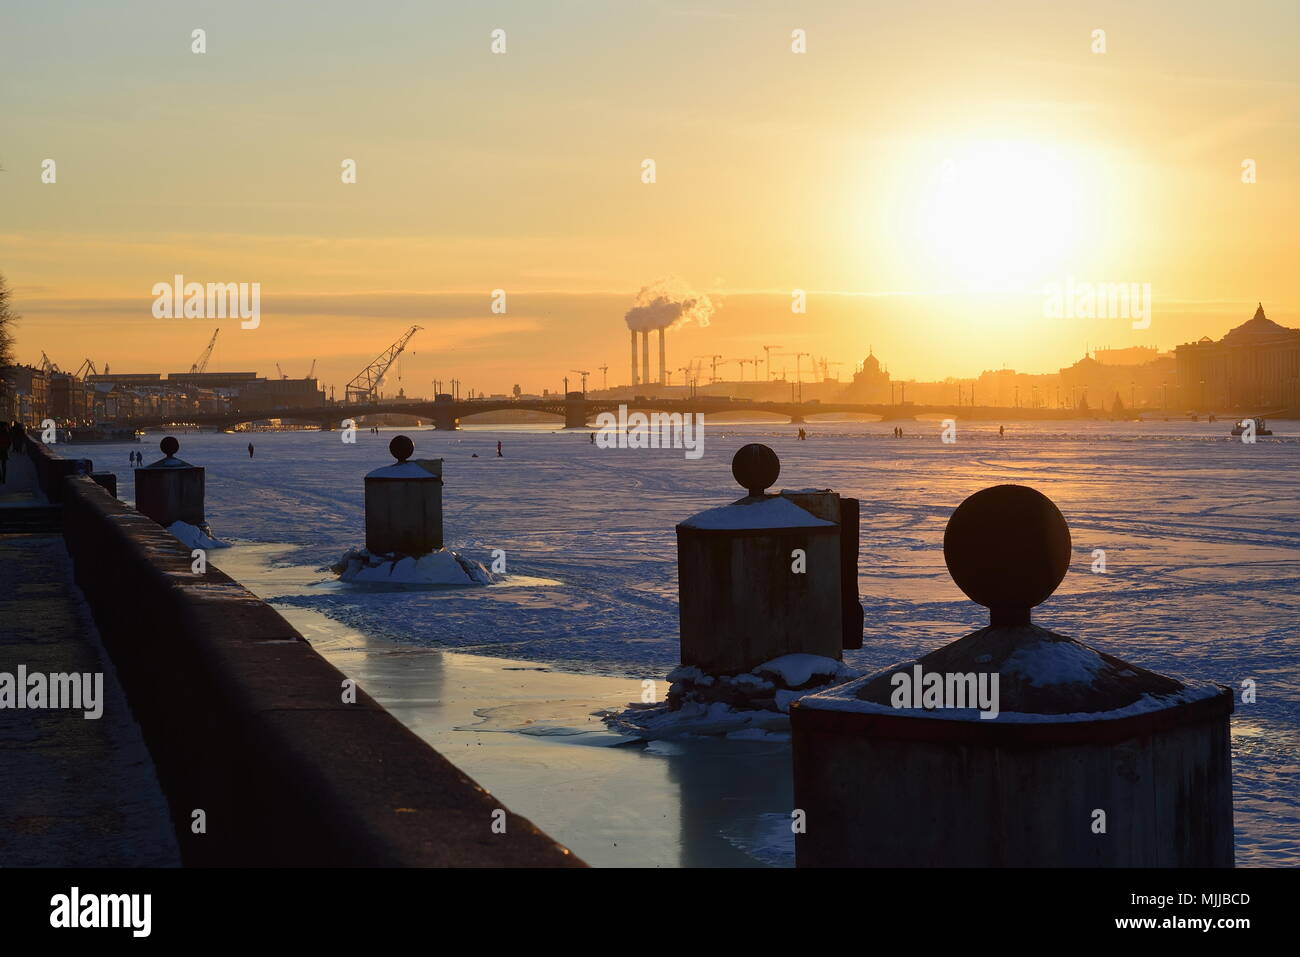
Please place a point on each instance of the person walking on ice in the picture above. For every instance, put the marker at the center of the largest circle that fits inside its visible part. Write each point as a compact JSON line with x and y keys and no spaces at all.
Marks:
{"x":250,"y":450}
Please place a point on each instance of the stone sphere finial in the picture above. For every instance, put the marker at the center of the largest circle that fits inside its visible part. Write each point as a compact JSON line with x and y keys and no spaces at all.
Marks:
{"x":1007,"y":547}
{"x":402,"y":448}
{"x":169,"y":446}
{"x":755,"y":467}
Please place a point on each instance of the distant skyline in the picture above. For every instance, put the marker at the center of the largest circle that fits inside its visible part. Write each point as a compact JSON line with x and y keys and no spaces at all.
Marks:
{"x":921,"y":171}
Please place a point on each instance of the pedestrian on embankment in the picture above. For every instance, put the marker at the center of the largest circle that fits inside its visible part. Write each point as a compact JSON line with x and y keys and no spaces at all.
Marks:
{"x":4,"y":453}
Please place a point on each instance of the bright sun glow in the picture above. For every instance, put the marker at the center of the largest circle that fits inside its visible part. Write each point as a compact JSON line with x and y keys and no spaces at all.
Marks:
{"x":1002,"y":213}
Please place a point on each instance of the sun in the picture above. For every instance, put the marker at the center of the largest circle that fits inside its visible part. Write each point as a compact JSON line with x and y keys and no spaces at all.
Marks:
{"x":1001,"y":214}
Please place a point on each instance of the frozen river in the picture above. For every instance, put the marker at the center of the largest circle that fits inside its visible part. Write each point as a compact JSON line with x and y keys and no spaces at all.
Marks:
{"x":1201,"y":536}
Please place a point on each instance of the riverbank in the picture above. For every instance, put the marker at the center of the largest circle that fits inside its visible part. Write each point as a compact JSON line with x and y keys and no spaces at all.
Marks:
{"x":266,"y":753}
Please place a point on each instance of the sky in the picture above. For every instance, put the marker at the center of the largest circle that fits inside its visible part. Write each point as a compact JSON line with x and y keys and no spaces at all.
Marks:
{"x":925,"y":172}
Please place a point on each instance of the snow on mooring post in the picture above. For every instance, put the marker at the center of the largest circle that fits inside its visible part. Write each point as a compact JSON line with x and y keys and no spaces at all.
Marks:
{"x":404,"y":528}
{"x":171,"y":490}
{"x":404,"y":504}
{"x":760,"y":578}
{"x":768,"y":601}
{"x":1014,"y":746}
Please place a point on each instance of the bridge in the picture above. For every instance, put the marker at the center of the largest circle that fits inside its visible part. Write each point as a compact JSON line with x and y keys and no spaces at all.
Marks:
{"x":577,"y":411}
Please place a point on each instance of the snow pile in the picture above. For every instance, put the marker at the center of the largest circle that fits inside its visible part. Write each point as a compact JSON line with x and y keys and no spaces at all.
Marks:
{"x":1046,"y":663}
{"x":649,"y":722}
{"x":774,"y":512}
{"x":845,"y":698}
{"x":799,"y":670}
{"x":441,"y":567}
{"x":196,"y":537}
{"x":750,"y":706}
{"x":403,"y":470}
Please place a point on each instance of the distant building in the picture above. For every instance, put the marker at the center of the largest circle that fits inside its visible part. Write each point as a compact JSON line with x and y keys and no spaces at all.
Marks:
{"x":131,"y":379}
{"x":71,"y":399}
{"x":216,"y":380}
{"x":870,"y":384}
{"x":1255,"y":367}
{"x":1008,"y":389}
{"x":25,"y":394}
{"x":1151,"y":384}
{"x":1132,"y":356}
{"x":267,"y":395}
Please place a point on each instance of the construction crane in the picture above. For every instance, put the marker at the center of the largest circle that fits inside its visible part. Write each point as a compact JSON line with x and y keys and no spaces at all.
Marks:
{"x":604,"y":376}
{"x":713,"y":364}
{"x":201,"y":363}
{"x":366,"y":383}
{"x":825,"y":364}
{"x":84,"y":366}
{"x":280,"y":372}
{"x":312,"y":371}
{"x":798,"y":356}
{"x":745,"y":362}
{"x":767,"y":359}
{"x":46,"y":365}
{"x":584,"y":378}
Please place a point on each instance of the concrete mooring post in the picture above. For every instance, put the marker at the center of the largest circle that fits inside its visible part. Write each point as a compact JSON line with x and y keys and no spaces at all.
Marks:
{"x":171,"y":490}
{"x":763,"y":577}
{"x":1014,"y":746}
{"x":404,"y":504}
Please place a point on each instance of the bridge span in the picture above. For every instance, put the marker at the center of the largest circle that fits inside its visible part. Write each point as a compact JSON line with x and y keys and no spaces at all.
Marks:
{"x":578,"y":411}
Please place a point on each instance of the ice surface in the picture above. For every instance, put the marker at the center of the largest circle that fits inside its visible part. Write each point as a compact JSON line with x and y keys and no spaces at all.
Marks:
{"x":1201,"y":536}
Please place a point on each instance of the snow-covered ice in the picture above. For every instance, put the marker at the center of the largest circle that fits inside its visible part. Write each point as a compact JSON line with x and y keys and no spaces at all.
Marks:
{"x":440,"y":567}
{"x":733,"y":705}
{"x":195,"y":537}
{"x":1201,"y":537}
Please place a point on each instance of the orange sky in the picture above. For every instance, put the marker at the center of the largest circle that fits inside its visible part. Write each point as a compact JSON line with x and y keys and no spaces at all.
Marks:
{"x":922,"y":172}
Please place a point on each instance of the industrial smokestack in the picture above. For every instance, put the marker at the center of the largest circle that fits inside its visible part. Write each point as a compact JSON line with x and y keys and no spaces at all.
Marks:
{"x":668,"y":304}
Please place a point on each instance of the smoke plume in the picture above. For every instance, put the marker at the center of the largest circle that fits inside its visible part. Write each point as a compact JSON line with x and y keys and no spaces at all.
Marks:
{"x":668,"y":304}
